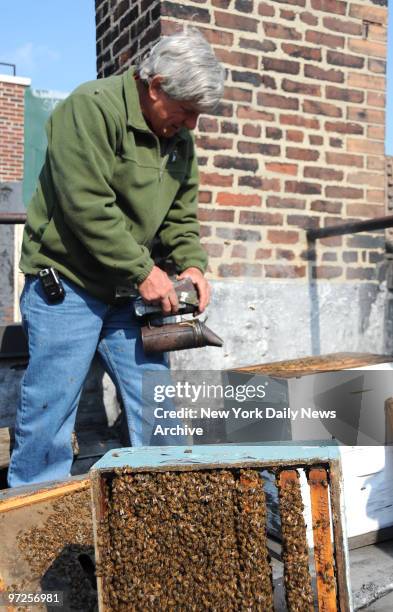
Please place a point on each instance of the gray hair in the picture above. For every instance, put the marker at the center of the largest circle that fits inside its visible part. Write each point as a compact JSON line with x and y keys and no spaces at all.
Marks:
{"x":189,"y":68}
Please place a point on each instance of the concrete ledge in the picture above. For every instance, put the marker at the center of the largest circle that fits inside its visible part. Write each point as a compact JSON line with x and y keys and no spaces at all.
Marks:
{"x":15,"y":80}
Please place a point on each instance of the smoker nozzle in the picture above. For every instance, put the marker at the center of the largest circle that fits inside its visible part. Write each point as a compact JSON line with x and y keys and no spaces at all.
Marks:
{"x":178,"y":336}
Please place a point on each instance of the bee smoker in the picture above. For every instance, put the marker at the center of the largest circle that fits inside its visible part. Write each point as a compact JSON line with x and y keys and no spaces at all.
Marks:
{"x":175,"y":332}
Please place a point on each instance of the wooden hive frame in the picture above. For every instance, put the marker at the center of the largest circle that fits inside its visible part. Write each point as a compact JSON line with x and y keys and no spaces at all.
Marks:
{"x":321,"y":464}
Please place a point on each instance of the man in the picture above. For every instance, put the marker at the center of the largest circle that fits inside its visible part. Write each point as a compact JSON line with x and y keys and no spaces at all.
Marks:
{"x":120,"y":170}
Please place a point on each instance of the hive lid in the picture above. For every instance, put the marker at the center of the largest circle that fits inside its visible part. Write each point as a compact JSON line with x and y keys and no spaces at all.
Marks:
{"x":217,"y":455}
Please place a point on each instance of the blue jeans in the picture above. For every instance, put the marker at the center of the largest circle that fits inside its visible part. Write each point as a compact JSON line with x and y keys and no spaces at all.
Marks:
{"x":63,"y":338}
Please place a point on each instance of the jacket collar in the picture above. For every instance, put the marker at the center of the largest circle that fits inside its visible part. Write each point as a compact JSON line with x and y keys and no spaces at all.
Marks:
{"x":135,"y":117}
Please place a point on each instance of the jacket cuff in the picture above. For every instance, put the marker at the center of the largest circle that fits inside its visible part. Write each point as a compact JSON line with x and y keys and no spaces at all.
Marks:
{"x":144,"y":273}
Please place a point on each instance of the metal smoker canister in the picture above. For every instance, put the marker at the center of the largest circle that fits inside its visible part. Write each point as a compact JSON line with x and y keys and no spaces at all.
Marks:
{"x":178,"y":336}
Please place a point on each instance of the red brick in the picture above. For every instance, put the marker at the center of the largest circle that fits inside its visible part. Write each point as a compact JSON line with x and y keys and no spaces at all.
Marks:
{"x":376,"y":163}
{"x":342,"y":25}
{"x":223,"y":216}
{"x":213,"y":143}
{"x":235,"y":22}
{"x":240,"y":269}
{"x":268,"y":82}
{"x":367,"y":47}
{"x":302,"y":154}
{"x":246,"y":112}
{"x":358,"y":145}
{"x":237,"y":94}
{"x":377,"y":32}
{"x":377,"y":66}
{"x":321,"y":108}
{"x":312,"y":124}
{"x":276,"y":202}
{"x":376,"y":132}
{"x":309,"y":18}
{"x":251,"y":130}
{"x":321,"y":74}
{"x":284,"y":271}
{"x":301,"y":88}
{"x":215,"y":179}
{"x":304,"y":221}
{"x":207,"y":124}
{"x":367,"y":115}
{"x":361,"y":273}
{"x":285,"y":254}
{"x":302,"y":187}
{"x":227,"y":127}
{"x":263,"y":254}
{"x":343,"y":128}
{"x":274,"y":133}
{"x":365,"y":210}
{"x":347,"y":95}
{"x":260,"y":218}
{"x":204,"y":197}
{"x":275,"y":30}
{"x":368,"y":13}
{"x":282,"y":236}
{"x":327,"y":206}
{"x":213,"y":250}
{"x":250,"y":43}
{"x":237,"y":233}
{"x":326,"y":40}
{"x":289,"y":15}
{"x":258,"y":183}
{"x":376,"y":99}
{"x":294,"y":135}
{"x":238,"y":163}
{"x":265,"y":99}
{"x":365,"y":81}
{"x":282,"y":168}
{"x":217,"y":37}
{"x":239,"y":250}
{"x":265,"y":9}
{"x":376,"y":195}
{"x":329,"y":6}
{"x":308,"y":53}
{"x":259,"y":148}
{"x":325,"y":174}
{"x":237,"y":199}
{"x":335,"y":191}
{"x":235,"y":58}
{"x":279,"y":65}
{"x":345,"y":59}
{"x":344,"y":159}
{"x":327,"y":271}
{"x":315,"y":140}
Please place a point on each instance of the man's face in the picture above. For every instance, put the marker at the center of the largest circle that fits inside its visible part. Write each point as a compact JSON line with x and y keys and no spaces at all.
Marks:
{"x":167,"y":115}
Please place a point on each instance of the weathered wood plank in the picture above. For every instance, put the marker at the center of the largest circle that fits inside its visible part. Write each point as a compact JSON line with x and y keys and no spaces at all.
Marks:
{"x":323,"y":550}
{"x":312,"y":365}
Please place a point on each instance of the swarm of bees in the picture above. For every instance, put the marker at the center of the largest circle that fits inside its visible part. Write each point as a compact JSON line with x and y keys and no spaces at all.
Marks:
{"x":297,"y":579}
{"x":192,"y":540}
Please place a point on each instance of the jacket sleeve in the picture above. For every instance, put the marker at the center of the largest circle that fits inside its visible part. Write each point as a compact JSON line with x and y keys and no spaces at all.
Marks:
{"x":180,"y":229}
{"x":81,"y":150}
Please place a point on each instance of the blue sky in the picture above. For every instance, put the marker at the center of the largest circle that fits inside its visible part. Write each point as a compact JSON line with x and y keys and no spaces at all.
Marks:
{"x":53,"y":43}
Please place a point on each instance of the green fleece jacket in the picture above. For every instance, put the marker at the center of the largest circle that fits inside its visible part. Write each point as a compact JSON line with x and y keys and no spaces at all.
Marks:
{"x":105,"y":192}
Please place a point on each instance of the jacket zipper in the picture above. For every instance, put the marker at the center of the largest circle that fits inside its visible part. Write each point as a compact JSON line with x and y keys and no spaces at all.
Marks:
{"x":165,"y":159}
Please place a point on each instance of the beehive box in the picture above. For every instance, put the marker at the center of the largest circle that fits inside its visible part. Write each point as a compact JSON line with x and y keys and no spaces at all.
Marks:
{"x":185,"y":528}
{"x":46,"y":536}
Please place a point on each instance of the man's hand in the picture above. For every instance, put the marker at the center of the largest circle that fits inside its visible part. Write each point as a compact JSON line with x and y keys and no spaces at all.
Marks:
{"x":158,"y":288}
{"x":201,"y":284}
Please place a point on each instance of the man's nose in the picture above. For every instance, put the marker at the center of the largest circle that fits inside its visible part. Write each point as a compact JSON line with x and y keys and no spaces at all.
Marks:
{"x":191,"y":121}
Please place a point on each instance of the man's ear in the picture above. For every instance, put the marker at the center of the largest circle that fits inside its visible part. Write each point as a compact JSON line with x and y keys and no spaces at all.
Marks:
{"x":155,"y":87}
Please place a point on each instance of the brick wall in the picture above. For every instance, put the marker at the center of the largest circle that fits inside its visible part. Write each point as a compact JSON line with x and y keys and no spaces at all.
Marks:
{"x":12,"y":91}
{"x":298,"y":140}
